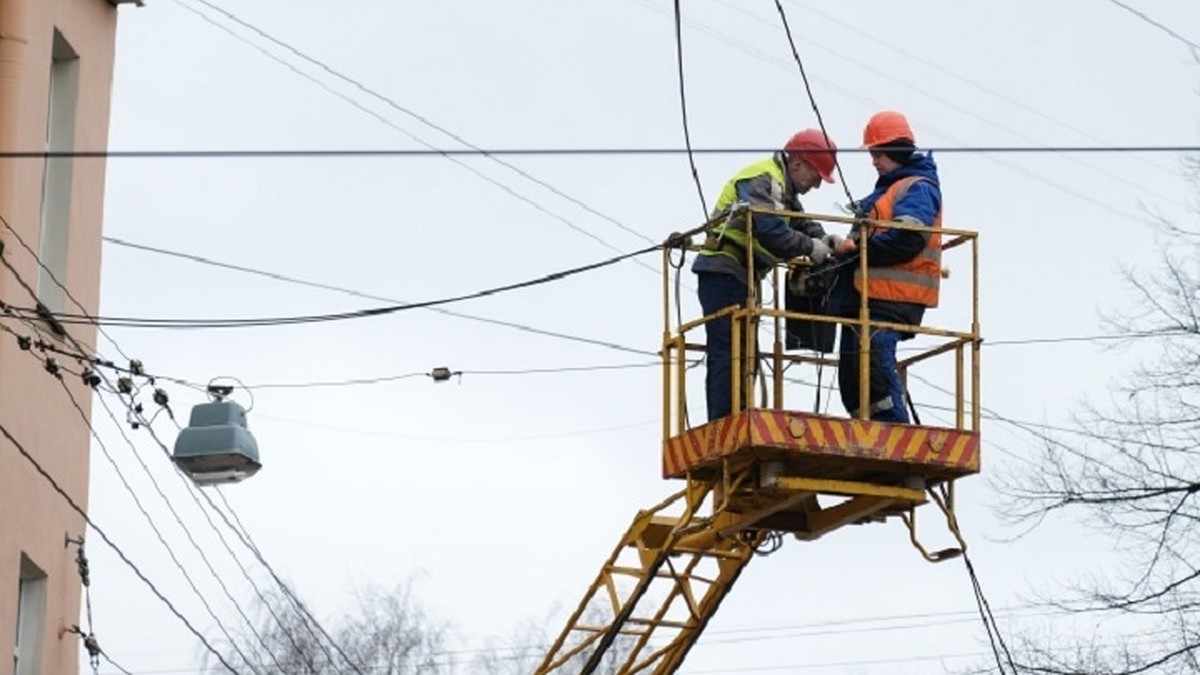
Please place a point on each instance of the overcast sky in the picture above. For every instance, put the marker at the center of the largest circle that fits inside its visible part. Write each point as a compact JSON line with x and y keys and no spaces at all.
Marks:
{"x":498,"y":495}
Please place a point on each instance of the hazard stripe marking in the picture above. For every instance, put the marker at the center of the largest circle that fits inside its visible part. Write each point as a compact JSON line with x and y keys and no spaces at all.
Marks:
{"x":814,"y":435}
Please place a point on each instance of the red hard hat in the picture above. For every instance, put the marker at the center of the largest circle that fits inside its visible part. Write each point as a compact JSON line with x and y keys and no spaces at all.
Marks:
{"x":886,"y":127}
{"x":824,"y":159}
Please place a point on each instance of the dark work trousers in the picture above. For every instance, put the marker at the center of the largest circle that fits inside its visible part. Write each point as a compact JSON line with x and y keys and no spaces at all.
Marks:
{"x":886,"y":391}
{"x":718,"y":291}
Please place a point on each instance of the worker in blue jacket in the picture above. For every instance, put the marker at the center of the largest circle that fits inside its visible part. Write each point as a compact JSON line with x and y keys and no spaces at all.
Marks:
{"x":904,"y":266}
{"x":807,"y":159}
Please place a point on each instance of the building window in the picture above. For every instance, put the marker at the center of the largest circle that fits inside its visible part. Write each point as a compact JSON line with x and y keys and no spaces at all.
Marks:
{"x":56,"y":180}
{"x":31,"y":619}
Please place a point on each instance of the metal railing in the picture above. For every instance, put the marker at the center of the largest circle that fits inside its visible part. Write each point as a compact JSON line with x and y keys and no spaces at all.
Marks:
{"x":746,"y":357}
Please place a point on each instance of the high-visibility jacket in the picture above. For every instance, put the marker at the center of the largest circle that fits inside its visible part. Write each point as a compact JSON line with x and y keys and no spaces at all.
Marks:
{"x":765,"y":184}
{"x":916,"y":281}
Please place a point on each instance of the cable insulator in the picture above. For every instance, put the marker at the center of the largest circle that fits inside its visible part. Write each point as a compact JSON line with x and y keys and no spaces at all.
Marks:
{"x":52,"y":366}
{"x":440,"y":374}
{"x":136,"y":367}
{"x":84,"y":570}
{"x":160,"y":397}
{"x":24,"y":342}
{"x":90,"y":378}
{"x":125,"y":385}
{"x":92,"y":645}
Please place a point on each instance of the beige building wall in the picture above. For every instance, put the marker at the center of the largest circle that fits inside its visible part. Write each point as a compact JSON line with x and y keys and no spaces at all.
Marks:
{"x":56,"y":208}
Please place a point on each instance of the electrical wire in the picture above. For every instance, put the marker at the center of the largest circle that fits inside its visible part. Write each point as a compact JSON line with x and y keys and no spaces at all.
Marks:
{"x":1192,"y":46}
{"x":16,"y":235}
{"x":120,"y":554}
{"x":307,"y":617}
{"x":314,"y":153}
{"x":114,"y":664}
{"x":451,"y":156}
{"x":187,"y":532}
{"x":424,"y":120}
{"x":616,"y":346}
{"x":687,"y":140}
{"x":787,"y":29}
{"x":856,"y":96}
{"x":972,"y":80}
{"x":759,"y":633}
{"x":989,"y":620}
{"x":191,"y":488}
{"x":405,"y":376}
{"x":130,"y":322}
{"x":348,"y":291}
{"x":307,"y":620}
{"x":320,"y":318}
{"x":25,"y":285}
{"x":488,"y":440}
{"x":83,"y":358}
{"x":687,"y":136}
{"x":386,"y":378}
{"x":158,"y":532}
{"x":977,"y":113}
{"x":90,"y":644}
{"x":244,"y":535}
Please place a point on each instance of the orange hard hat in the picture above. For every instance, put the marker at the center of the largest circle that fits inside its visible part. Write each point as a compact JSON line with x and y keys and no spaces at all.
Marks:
{"x":886,"y":127}
{"x":817,"y":149}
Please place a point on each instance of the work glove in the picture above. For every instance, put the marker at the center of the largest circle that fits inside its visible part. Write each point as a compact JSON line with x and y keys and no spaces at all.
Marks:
{"x":820,"y":252}
{"x":833,"y":241}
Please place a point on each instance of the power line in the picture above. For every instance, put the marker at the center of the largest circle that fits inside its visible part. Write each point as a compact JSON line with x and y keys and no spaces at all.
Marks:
{"x":56,"y":281}
{"x":348,"y":291}
{"x":331,"y":153}
{"x":48,"y":346}
{"x":855,"y":95}
{"x":971,"y":81}
{"x":967,"y":110}
{"x":787,"y":29}
{"x":191,"y":489}
{"x":687,"y":136}
{"x":989,"y":619}
{"x":610,"y":345}
{"x":405,"y":376}
{"x":114,"y":664}
{"x":423,"y":120}
{"x":158,"y":533}
{"x":104,"y":450}
{"x":244,"y":537}
{"x":204,"y":557}
{"x":132,"y":322}
{"x":307,"y":620}
{"x":121,"y":554}
{"x":1195,"y":48}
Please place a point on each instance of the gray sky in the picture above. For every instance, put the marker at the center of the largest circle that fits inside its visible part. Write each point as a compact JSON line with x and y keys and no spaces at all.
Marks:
{"x":498,"y":496}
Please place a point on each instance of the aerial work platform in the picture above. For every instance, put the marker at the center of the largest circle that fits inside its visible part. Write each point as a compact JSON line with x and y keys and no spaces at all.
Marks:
{"x":883,"y":469}
{"x":770,"y":469}
{"x":824,"y":447}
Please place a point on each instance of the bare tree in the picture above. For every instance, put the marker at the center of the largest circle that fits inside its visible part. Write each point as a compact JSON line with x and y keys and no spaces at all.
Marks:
{"x":1134,"y":478}
{"x":385,"y":634}
{"x":522,"y":653}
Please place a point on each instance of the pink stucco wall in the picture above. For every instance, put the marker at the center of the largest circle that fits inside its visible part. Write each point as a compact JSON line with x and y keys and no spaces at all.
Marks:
{"x":33,"y":406}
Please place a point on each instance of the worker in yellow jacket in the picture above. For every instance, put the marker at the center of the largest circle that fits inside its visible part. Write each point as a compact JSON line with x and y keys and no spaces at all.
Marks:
{"x":806,"y":160}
